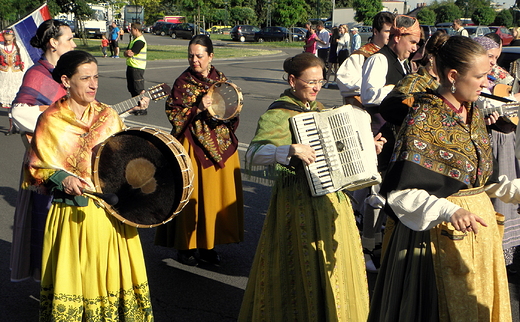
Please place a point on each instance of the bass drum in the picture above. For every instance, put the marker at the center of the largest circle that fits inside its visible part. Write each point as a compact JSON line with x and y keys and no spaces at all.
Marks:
{"x":149,"y":171}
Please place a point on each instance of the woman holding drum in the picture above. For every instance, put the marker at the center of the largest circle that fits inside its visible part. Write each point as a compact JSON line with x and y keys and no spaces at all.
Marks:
{"x":309,"y":263}
{"x":93,"y":265}
{"x":214,"y":215}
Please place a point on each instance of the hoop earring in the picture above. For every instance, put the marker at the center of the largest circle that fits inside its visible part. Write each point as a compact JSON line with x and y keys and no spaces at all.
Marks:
{"x":453,"y":88}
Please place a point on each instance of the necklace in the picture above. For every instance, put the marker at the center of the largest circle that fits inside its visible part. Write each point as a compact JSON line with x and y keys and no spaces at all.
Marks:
{"x":453,"y":108}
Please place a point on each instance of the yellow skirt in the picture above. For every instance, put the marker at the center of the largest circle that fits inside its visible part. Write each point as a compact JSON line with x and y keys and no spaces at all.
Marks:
{"x":469,"y":268}
{"x":93,"y":268}
{"x":215,"y":213}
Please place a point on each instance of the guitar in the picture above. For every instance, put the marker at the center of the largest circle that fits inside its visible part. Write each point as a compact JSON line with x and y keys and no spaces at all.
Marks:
{"x":155,"y":93}
{"x":508,"y":111}
{"x":504,"y":91}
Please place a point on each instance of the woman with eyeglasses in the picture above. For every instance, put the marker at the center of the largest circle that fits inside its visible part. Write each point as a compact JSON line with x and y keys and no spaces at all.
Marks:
{"x":308,"y":264}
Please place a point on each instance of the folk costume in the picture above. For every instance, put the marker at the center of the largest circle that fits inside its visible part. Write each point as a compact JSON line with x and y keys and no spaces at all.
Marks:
{"x":11,"y":73}
{"x":37,"y":92}
{"x":432,"y":272}
{"x":308,"y":264}
{"x":93,"y":265}
{"x":215,"y":214}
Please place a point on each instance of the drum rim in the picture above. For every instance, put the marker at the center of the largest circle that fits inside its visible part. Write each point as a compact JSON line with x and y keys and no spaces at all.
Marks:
{"x":240,"y":100}
{"x":187,"y":175}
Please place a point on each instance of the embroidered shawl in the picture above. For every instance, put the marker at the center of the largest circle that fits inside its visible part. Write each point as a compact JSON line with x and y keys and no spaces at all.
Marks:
{"x":437,"y":152}
{"x":213,"y":141}
{"x":38,"y":86}
{"x":274,"y":126}
{"x":367,"y":50}
{"x":63,"y":142}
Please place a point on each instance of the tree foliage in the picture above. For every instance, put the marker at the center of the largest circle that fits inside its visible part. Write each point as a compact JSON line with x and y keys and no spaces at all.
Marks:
{"x":483,"y":16}
{"x":447,"y":12}
{"x":427,"y":16}
{"x":290,"y":12}
{"x":504,"y":18}
{"x":366,"y":10}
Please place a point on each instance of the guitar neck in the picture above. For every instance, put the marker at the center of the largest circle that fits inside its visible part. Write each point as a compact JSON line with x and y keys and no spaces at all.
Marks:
{"x":504,"y":109}
{"x":129,"y":103}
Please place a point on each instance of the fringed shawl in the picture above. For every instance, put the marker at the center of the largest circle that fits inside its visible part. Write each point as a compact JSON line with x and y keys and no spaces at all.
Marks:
{"x":62,"y":142}
{"x":213,"y":141}
{"x":38,"y":86}
{"x":437,"y":152}
{"x":274,"y":126}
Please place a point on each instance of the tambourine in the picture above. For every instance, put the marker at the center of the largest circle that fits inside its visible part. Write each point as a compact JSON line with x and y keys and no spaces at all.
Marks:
{"x":227,"y":101}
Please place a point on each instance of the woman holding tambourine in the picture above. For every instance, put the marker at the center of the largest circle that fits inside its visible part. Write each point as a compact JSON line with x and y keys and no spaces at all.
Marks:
{"x":214,"y":215}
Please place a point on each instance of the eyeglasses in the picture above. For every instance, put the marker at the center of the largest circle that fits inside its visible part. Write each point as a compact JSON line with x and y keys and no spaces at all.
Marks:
{"x":313,"y":83}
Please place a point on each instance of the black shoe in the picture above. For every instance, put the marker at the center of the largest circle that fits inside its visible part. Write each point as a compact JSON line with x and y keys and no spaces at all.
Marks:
{"x":209,"y":256}
{"x":187,"y":257}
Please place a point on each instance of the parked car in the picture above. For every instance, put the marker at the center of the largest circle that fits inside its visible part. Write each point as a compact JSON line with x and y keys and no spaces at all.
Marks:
{"x":187,"y":30}
{"x":477,"y":31}
{"x":365,"y":32}
{"x":165,"y":29}
{"x":277,"y":34}
{"x":243,"y":32}
{"x":509,"y":54}
{"x":147,"y":29}
{"x":504,"y":34}
{"x":157,"y":27}
{"x":217,"y":29}
{"x":428,"y":31}
{"x":299,"y":30}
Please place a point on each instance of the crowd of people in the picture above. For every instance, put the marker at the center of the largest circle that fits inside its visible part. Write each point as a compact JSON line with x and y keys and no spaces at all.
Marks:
{"x":440,"y":229}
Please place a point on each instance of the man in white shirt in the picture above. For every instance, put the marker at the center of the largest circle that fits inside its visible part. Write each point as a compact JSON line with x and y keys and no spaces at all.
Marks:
{"x":349,"y":73}
{"x":383,"y":70}
{"x":457,"y":26}
{"x":322,"y":44}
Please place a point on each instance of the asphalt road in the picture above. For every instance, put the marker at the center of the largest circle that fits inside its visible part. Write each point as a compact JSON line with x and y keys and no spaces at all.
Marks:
{"x":179,"y":292}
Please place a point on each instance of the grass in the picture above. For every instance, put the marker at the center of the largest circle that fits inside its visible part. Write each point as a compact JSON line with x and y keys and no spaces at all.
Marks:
{"x":228,"y":50}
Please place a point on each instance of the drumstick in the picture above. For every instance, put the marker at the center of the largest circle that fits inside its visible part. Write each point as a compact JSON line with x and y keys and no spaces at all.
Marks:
{"x":109,"y":198}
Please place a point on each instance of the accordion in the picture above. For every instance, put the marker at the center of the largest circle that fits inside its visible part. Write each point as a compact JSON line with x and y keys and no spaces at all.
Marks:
{"x":345,"y":151}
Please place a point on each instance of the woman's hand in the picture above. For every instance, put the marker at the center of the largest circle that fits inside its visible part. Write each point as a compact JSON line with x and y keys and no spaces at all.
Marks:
{"x":465,"y":221}
{"x":206,"y":101}
{"x":379,"y":142}
{"x":492,"y":118}
{"x":73,"y":186}
{"x":303,"y":152}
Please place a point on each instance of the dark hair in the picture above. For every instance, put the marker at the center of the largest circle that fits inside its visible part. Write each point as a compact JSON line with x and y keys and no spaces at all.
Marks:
{"x":69,"y":62}
{"x":458,"y":53}
{"x":320,"y":23}
{"x":136,"y":25}
{"x":435,"y":42}
{"x":204,"y":41}
{"x":298,"y":64}
{"x":495,"y":37}
{"x":49,"y":29}
{"x":381,"y":18}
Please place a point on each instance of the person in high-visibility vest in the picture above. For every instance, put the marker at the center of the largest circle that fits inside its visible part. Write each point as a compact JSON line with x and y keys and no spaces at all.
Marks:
{"x":136,"y":63}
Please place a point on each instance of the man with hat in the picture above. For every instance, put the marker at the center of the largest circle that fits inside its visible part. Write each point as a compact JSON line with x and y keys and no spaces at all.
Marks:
{"x":356,"y":40}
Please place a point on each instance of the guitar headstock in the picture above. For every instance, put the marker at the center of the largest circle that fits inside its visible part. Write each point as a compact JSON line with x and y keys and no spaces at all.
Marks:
{"x":160,"y":91}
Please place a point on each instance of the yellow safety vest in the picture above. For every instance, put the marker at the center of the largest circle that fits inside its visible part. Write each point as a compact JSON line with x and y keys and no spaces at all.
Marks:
{"x":139,"y":60}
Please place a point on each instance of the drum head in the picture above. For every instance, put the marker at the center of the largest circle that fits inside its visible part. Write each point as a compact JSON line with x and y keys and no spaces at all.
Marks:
{"x":143,"y":171}
{"x":227,"y":101}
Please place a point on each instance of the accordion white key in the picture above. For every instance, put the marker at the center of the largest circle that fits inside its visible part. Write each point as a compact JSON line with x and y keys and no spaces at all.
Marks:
{"x":345,"y":151}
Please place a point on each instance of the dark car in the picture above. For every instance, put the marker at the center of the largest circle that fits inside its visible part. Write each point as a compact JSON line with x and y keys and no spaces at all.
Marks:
{"x":187,"y":30}
{"x":243,"y":32}
{"x":428,"y":31}
{"x":165,"y":29}
{"x":157,"y":27}
{"x":276,"y":34}
{"x":504,"y":34}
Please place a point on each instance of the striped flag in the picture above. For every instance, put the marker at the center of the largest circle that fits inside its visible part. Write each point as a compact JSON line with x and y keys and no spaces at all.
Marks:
{"x":25,"y":29}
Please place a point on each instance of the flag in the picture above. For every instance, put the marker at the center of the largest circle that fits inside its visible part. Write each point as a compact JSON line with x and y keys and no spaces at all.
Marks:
{"x":25,"y":29}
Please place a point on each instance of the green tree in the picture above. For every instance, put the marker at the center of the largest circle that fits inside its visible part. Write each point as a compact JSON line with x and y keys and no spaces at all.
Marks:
{"x":447,"y":12}
{"x":243,"y":15}
{"x":483,"y":16}
{"x":290,"y":12}
{"x":427,"y":16}
{"x":504,"y":18}
{"x":366,"y":10}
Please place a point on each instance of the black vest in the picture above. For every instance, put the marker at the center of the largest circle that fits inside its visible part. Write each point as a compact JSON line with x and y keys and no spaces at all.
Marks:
{"x":395,"y":69}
